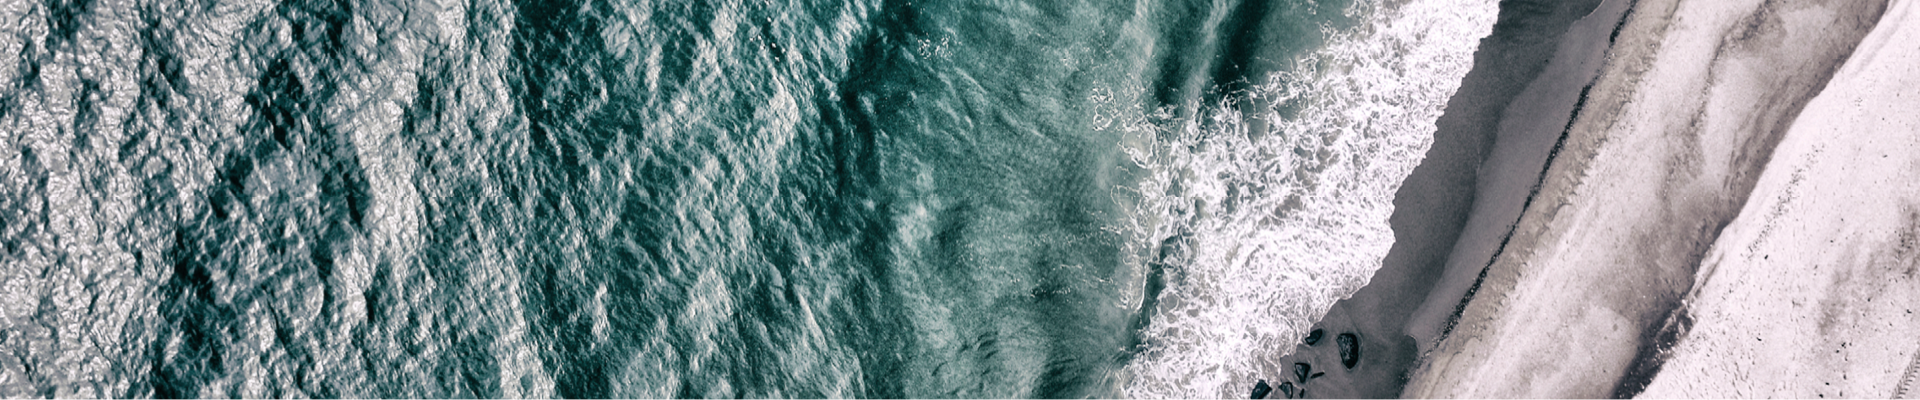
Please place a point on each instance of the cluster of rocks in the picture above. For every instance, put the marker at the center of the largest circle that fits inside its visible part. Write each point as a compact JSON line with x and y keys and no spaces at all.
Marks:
{"x":1349,"y":346}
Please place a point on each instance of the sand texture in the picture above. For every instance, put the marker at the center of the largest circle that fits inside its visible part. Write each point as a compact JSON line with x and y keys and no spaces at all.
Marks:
{"x":1656,"y":198}
{"x":1812,"y":292}
{"x":1430,"y":209}
{"x":1663,"y":150}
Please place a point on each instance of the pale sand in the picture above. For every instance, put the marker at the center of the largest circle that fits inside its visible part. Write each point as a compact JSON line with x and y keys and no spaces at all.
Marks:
{"x":1812,"y":291}
{"x":1665,"y":149}
{"x":1570,"y":273}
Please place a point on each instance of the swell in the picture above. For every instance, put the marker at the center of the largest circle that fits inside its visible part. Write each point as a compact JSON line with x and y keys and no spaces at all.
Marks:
{"x":1175,"y":82}
{"x":1213,"y":53}
{"x":593,"y":199}
{"x":558,"y":73}
{"x":651,"y":294}
{"x":1234,"y":70}
{"x":289,"y":170}
{"x":852,"y":140}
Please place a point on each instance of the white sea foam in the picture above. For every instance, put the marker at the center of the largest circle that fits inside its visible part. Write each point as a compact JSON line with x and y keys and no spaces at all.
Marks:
{"x":1283,"y":224}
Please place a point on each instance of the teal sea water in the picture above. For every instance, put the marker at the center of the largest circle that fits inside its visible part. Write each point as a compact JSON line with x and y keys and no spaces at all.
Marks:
{"x":637,"y":198}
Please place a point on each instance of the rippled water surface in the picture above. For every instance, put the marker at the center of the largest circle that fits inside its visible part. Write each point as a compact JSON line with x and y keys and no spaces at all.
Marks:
{"x":636,"y":198}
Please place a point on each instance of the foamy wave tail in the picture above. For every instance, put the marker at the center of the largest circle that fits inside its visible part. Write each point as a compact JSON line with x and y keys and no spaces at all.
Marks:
{"x":1284,"y":211}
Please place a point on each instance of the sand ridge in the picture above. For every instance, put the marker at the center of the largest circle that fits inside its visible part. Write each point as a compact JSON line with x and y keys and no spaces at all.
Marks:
{"x":1607,"y":245}
{"x":1816,"y":279}
{"x":1429,"y":211}
{"x":1662,"y":154}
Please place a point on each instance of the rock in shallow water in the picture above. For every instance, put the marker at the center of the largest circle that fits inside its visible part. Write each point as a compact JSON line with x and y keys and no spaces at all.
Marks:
{"x":1261,"y":389}
{"x":1349,"y":349}
{"x":1313,"y":338}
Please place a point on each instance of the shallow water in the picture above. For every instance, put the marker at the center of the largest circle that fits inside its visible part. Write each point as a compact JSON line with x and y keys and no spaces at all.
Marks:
{"x":337,"y":198}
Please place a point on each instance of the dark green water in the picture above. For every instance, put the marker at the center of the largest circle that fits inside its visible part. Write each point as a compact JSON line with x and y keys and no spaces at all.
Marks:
{"x":341,"y":198}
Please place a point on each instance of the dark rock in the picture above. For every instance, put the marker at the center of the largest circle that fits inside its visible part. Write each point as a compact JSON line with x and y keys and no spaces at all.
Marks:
{"x":1313,"y":338}
{"x":1349,"y":349}
{"x":1286,"y":389}
{"x":1300,"y":371}
{"x":1261,"y":389}
{"x":1317,"y":375}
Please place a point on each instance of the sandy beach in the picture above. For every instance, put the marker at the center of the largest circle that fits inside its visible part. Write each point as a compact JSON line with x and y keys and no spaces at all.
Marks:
{"x":1661,"y":155}
{"x":1668,"y":198}
{"x":1431,"y":208}
{"x":1816,"y":279}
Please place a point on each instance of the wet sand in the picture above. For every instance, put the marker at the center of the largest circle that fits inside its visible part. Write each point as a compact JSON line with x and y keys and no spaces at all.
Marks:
{"x":1431,"y":209}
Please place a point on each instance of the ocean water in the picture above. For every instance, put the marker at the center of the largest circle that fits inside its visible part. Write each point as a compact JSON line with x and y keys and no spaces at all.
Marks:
{"x":637,"y":198}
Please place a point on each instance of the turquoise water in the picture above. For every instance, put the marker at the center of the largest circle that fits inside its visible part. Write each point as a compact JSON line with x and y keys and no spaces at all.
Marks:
{"x":334,"y":198}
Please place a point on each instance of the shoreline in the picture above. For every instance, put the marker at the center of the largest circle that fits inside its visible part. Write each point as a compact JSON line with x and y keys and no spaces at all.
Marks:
{"x":1606,"y":147}
{"x":1430,"y":210}
{"x":1663,"y":154}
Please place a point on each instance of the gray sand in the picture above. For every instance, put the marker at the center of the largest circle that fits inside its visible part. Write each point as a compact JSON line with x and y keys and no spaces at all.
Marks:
{"x":1432,"y":206}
